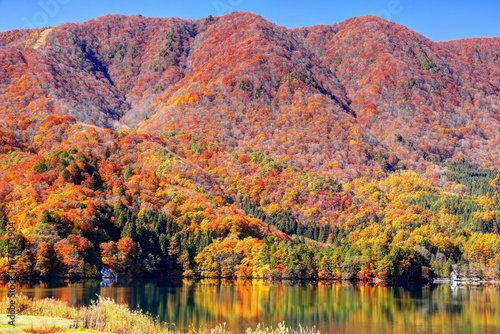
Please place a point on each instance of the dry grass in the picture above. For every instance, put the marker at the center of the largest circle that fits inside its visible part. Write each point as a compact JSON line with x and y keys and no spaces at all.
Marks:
{"x":47,"y":307}
{"x":104,"y":315}
{"x":29,"y":324}
{"x":282,"y":329}
{"x":44,"y":329}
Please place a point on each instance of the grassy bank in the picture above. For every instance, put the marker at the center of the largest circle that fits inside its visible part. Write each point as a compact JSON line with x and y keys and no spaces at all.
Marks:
{"x":47,"y":316}
{"x":42,"y":325}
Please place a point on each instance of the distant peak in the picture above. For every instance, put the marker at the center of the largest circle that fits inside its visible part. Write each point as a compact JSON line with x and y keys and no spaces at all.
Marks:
{"x":242,"y":17}
{"x":243,"y":14}
{"x":373,"y":22}
{"x":109,"y":17}
{"x":367,"y":19}
{"x":371,"y":18}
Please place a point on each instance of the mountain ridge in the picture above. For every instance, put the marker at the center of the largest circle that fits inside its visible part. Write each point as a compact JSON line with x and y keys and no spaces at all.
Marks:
{"x":141,"y":73}
{"x":233,"y":147}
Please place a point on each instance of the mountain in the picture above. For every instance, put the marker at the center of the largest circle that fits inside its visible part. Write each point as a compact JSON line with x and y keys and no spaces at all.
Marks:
{"x":366,"y":80}
{"x":166,"y":141}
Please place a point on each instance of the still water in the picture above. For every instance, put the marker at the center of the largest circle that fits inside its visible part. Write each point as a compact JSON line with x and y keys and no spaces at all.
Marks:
{"x":330,"y":307}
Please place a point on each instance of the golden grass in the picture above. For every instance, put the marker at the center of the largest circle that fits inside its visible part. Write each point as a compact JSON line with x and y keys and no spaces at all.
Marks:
{"x":48,"y":316}
{"x":105,"y":315}
{"x":47,"y":307}
{"x":45,"y":329}
{"x":28,"y":323}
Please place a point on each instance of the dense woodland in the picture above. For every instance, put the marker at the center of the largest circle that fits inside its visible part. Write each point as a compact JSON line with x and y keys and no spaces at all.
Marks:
{"x":232,"y":147}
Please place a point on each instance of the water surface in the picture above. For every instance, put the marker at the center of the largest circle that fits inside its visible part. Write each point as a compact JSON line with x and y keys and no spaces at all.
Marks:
{"x":330,"y":307}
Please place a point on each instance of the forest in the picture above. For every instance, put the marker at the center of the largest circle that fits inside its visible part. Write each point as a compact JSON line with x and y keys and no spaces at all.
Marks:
{"x":157,"y":206}
{"x":232,"y":147}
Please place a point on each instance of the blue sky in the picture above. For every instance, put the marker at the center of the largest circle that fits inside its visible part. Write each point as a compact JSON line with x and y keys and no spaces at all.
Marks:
{"x":437,"y":20}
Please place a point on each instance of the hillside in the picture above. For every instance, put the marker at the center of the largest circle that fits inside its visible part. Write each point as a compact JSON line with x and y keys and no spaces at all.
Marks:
{"x":233,"y":146}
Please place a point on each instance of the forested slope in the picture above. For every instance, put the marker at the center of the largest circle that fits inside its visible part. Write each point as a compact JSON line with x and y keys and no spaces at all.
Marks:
{"x":230,"y":146}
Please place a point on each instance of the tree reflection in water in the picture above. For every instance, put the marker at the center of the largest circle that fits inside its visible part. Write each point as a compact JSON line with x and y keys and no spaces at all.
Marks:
{"x":329,"y":306}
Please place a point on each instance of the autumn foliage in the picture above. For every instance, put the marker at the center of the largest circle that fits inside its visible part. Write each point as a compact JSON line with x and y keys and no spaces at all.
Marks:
{"x":234,"y":147}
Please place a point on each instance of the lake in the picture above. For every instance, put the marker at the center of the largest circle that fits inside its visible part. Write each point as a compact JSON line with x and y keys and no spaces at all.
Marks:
{"x":330,"y":307}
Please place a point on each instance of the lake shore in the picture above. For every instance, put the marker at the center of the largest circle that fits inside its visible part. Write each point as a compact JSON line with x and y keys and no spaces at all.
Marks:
{"x":468,"y":281}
